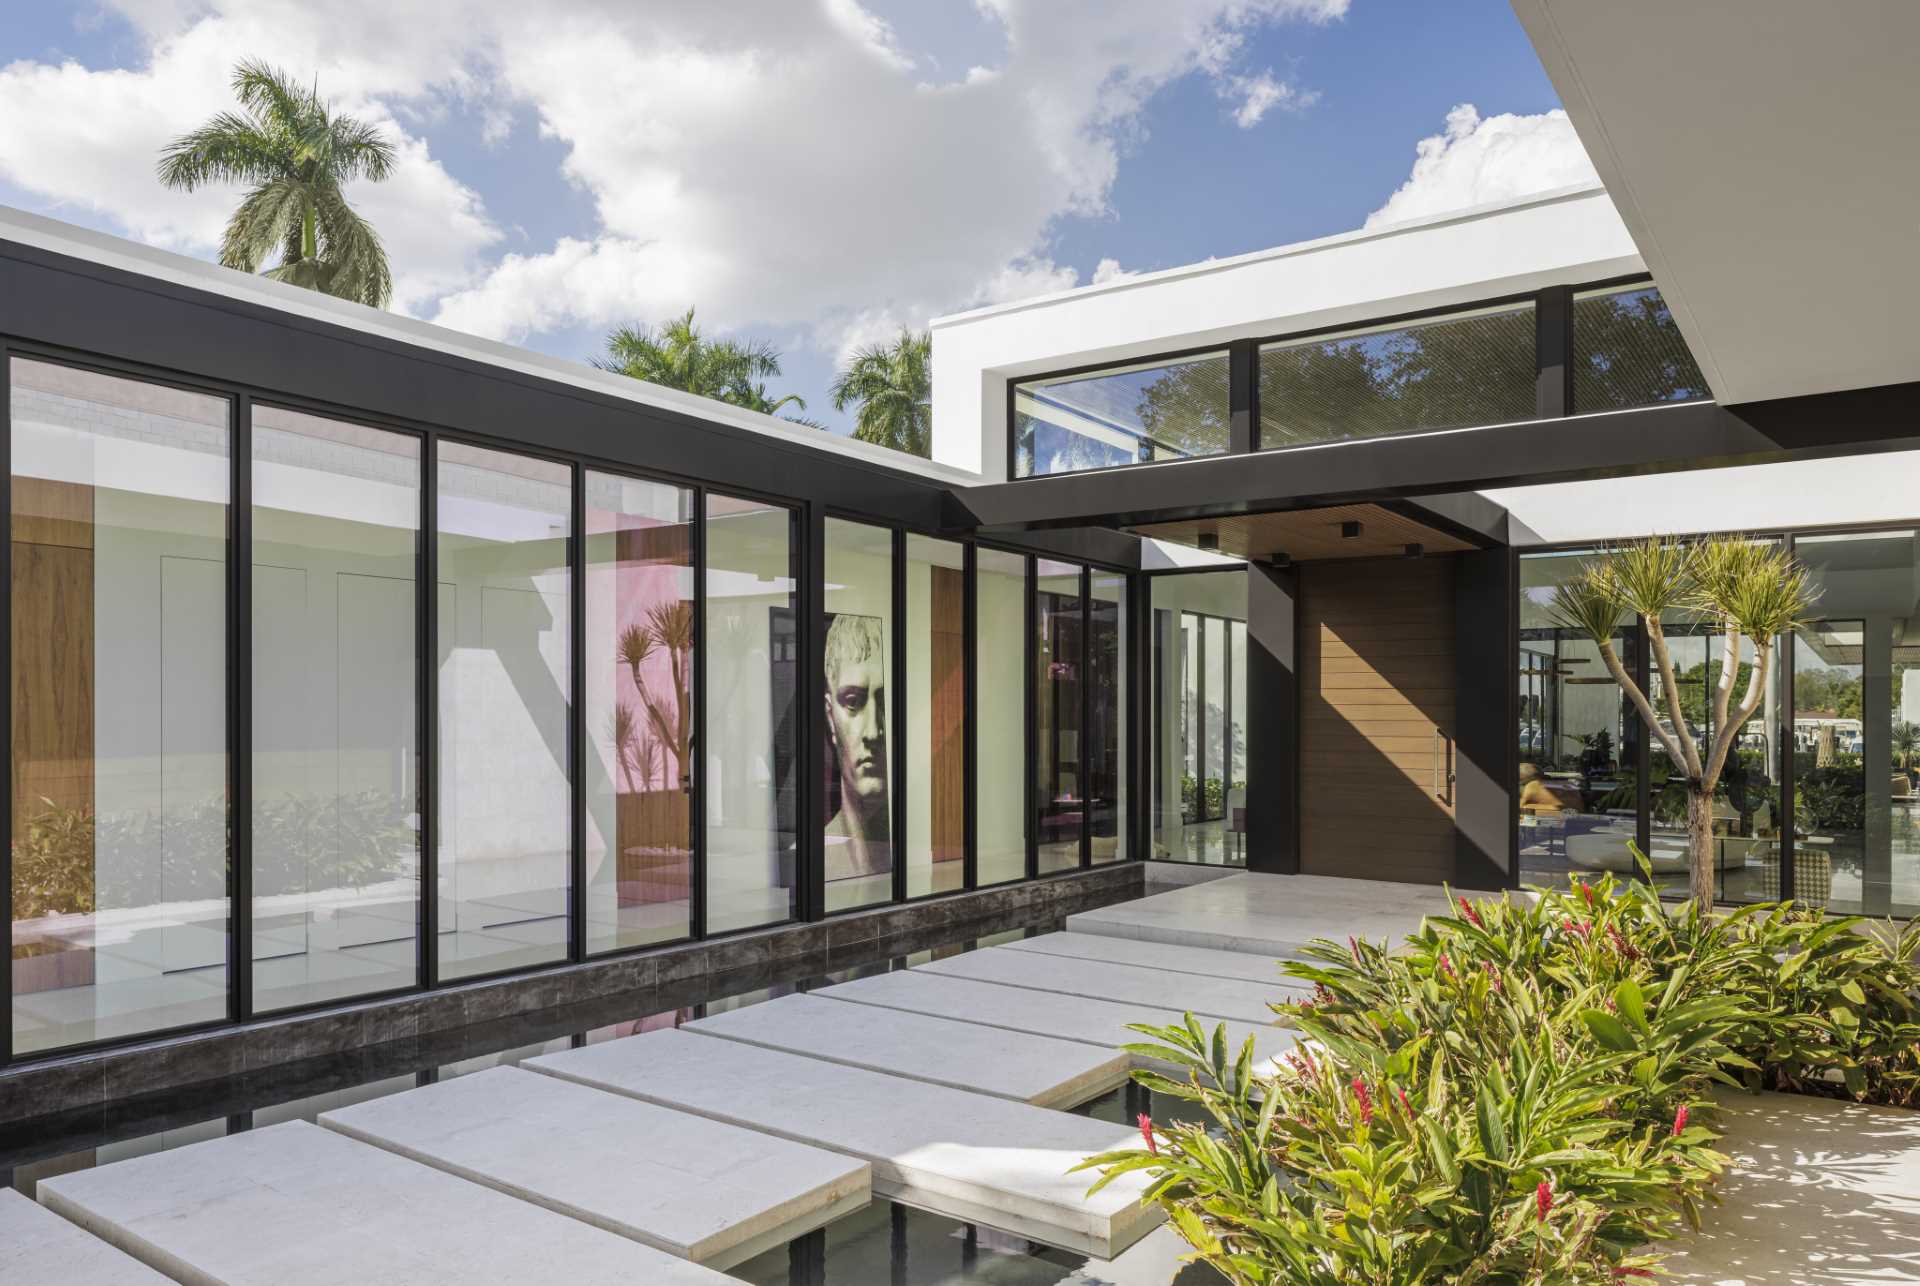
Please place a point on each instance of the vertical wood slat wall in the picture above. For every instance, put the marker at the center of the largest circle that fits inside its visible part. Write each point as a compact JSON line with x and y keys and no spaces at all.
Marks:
{"x":1377,"y":690}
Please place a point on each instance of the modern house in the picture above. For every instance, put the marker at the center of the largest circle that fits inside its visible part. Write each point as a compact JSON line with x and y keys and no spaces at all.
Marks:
{"x":368,"y":678}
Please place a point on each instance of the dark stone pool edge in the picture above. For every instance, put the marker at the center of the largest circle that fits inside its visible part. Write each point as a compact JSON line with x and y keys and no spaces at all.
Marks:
{"x":650,"y":981}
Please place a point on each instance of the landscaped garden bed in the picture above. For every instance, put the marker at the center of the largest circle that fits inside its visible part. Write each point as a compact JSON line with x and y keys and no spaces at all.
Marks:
{"x":1522,"y":1092}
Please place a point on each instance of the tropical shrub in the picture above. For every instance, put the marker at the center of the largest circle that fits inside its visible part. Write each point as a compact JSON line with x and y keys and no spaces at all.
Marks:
{"x":1520,"y":1093}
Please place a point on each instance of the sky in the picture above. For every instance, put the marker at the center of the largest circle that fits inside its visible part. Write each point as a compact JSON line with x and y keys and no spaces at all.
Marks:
{"x":812,"y":173}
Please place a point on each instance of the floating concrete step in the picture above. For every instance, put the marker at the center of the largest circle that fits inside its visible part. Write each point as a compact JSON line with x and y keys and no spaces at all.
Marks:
{"x":969,"y":1157}
{"x":1246,"y":1002}
{"x":296,"y":1205}
{"x":696,"y":1188}
{"x":1030,"y":1069}
{"x":1022,"y":1009}
{"x":1164,"y":956}
{"x":37,"y":1245}
{"x":1268,"y":915}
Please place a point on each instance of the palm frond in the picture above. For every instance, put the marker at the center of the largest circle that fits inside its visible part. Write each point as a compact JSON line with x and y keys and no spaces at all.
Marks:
{"x":350,"y":245}
{"x":227,"y":149}
{"x":263,"y":224}
{"x":1588,"y":604}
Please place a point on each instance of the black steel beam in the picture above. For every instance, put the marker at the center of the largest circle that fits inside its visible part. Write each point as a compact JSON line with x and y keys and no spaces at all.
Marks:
{"x":1485,"y":751}
{"x":1690,"y":435}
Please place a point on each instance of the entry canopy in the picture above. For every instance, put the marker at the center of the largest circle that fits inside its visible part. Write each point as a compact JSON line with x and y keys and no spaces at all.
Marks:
{"x":1761,"y":154}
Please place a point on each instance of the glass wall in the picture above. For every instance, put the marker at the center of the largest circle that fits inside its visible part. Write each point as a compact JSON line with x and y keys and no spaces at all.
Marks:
{"x":1580,"y":761}
{"x":1197,"y":698}
{"x":1059,"y":772}
{"x":1107,"y":716}
{"x":1167,"y":410}
{"x":336,"y":765}
{"x":1465,"y":369}
{"x":119,"y":914}
{"x":858,"y":758}
{"x":1000,"y":802}
{"x":936,"y":715}
{"x":504,"y":610}
{"x":1627,"y":351}
{"x":638,"y":717}
{"x":1856,"y":726}
{"x":749,"y":765}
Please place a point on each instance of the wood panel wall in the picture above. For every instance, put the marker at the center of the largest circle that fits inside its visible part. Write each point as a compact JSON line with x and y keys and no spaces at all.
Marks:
{"x":947,"y":719}
{"x":53,"y":695}
{"x":1377,"y":719}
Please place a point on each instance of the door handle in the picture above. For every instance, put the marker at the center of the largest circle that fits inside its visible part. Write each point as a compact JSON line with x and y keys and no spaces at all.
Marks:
{"x":1442,"y":765}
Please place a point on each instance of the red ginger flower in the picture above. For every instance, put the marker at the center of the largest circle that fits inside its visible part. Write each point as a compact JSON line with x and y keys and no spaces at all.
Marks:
{"x":1493,"y":975}
{"x":1632,"y":1272}
{"x":1146,"y":1132}
{"x":1620,"y":944}
{"x":1466,"y":909}
{"x":1366,"y":1103}
{"x":1446,"y":967}
{"x":1586,"y":891}
{"x":1406,"y":1105}
{"x":1353,"y":945}
{"x":1680,"y":1120}
{"x":1543,"y":1199}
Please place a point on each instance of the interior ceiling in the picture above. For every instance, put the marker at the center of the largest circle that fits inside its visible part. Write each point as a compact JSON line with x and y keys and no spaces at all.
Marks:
{"x":1305,"y":535}
{"x":1761,"y":154}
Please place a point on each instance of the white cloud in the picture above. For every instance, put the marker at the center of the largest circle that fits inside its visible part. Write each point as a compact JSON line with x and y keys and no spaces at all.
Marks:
{"x":777,"y":163}
{"x":1259,"y":95}
{"x":1110,"y":270}
{"x":1495,"y":158}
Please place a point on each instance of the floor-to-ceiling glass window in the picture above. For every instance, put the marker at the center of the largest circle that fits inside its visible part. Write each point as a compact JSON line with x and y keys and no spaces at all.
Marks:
{"x":1578,"y":792}
{"x":638,"y":716}
{"x":858,"y":758}
{"x":749,"y":766}
{"x":1856,"y":676}
{"x":504,"y":612}
{"x":1060,"y":748}
{"x":336,"y":787}
{"x":1107,"y":714}
{"x":1000,"y":797}
{"x":936,"y":715}
{"x":1197,"y":704}
{"x":120,"y":916}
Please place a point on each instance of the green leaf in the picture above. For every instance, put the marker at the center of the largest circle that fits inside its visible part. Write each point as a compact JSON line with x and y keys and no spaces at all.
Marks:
{"x":1607,"y":1029}
{"x":1793,"y":964}
{"x":1632,"y":1005}
{"x":1493,"y":1125}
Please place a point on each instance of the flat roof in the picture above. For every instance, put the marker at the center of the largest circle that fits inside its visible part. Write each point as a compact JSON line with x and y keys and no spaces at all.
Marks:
{"x":106,"y":250}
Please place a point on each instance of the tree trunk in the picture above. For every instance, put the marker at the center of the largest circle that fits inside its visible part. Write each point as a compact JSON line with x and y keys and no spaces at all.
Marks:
{"x":1700,"y":846}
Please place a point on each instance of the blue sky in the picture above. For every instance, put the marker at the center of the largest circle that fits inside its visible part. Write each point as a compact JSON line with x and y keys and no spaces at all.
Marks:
{"x":812,"y":172}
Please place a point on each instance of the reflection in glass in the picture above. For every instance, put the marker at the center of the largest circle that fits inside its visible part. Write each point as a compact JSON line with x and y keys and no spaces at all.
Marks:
{"x":1107,"y":711}
{"x":936,"y":715}
{"x":1451,"y":372}
{"x":1060,"y":785}
{"x":119,"y":738}
{"x":336,"y":843}
{"x":1578,"y":793}
{"x":1124,"y":415}
{"x":504,"y":805}
{"x":1627,"y":351}
{"x":1857,"y":726}
{"x":858,"y":603}
{"x":638,"y":715}
{"x":1198,"y":701}
{"x":750,"y":762}
{"x":1000,"y":806}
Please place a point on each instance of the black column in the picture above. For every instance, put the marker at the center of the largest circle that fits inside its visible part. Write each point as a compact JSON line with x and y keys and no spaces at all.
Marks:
{"x":1273,"y":719}
{"x":1486,"y":744}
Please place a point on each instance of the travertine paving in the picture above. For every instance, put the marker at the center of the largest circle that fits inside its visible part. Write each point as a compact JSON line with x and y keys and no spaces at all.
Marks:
{"x":970,"y":1157}
{"x":1031,"y":1069}
{"x":694,"y":1187}
{"x":1820,"y":1192}
{"x":1096,"y":1022}
{"x":1247,"y":1002}
{"x":37,"y":1245}
{"x":296,"y":1205}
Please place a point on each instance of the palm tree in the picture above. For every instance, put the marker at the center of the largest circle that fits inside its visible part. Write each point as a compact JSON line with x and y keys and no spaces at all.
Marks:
{"x":893,"y":385}
{"x":297,"y":155}
{"x":679,"y":356}
{"x":1745,"y":590}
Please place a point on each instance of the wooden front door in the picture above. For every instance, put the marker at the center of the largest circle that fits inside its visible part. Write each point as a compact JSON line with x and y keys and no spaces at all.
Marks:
{"x":1376,"y":719}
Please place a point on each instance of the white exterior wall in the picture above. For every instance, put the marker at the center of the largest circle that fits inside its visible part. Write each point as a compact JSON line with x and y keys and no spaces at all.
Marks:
{"x":1556,"y":239}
